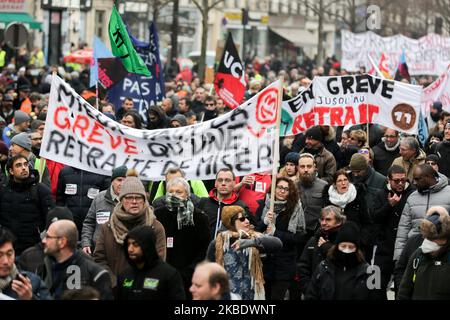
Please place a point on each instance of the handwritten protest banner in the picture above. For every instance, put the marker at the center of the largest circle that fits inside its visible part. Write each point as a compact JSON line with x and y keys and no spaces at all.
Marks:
{"x":427,"y":55}
{"x":349,"y":100}
{"x":80,"y":136}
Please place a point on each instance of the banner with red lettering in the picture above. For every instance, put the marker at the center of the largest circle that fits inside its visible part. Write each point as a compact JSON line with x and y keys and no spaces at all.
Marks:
{"x":230,"y":82}
{"x":78,"y":135}
{"x":349,"y":100}
{"x":439,"y":90}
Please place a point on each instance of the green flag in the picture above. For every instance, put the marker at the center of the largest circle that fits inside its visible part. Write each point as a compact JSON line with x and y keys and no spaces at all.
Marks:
{"x":122,"y":47}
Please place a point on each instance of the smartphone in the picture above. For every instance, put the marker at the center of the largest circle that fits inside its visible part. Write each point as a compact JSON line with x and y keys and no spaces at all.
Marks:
{"x":23,"y":274}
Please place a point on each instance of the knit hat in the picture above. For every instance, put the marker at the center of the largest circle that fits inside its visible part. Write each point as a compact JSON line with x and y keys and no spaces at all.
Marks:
{"x":22,"y":140}
{"x":292,"y":157}
{"x":358,"y":162}
{"x":24,"y":87}
{"x":4,"y":149}
{"x":180,"y":118}
{"x":132,"y":184}
{"x":436,"y":225}
{"x":315,"y":133}
{"x":349,"y":232}
{"x":119,"y":172}
{"x":432,"y":157}
{"x":228,"y":215}
{"x":58,"y":213}
{"x":20,"y":117}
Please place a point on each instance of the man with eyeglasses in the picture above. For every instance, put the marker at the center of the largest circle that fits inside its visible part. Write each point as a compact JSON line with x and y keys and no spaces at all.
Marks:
{"x":432,"y":190}
{"x":66,"y":268}
{"x":133,"y":210}
{"x":389,"y":205}
{"x":386,"y":151}
{"x":210,"y":108}
{"x":411,"y":155}
{"x":24,"y":203}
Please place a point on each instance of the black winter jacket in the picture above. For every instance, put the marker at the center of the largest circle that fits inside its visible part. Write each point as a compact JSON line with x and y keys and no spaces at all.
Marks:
{"x":91,"y":274}
{"x":383,"y":158}
{"x":327,"y":274}
{"x":76,"y":190}
{"x":312,"y":255}
{"x":155,"y":280}
{"x":386,"y":219}
{"x":23,"y":210}
{"x":188,"y":245}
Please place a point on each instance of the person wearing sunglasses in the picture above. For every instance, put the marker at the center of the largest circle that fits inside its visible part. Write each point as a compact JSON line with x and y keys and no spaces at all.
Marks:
{"x":237,"y":249}
{"x":286,"y":222}
{"x":210,"y":108}
{"x":389,"y":205}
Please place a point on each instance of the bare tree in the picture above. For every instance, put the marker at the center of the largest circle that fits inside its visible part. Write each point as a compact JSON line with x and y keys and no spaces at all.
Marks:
{"x":204,"y":6}
{"x":320,"y":8}
{"x":157,"y":5}
{"x":443,"y":8}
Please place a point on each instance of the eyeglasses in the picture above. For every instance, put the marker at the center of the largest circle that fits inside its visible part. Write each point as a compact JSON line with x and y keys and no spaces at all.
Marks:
{"x":363,"y":151}
{"x":134,"y":198}
{"x":243,"y":218}
{"x":281,"y":188}
{"x":209,"y":104}
{"x":50,"y":237}
{"x":391,"y":137}
{"x":36,"y":139}
{"x":398,"y":181}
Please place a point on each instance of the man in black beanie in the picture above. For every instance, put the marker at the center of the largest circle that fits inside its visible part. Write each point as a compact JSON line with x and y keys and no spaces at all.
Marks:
{"x":325,"y":161}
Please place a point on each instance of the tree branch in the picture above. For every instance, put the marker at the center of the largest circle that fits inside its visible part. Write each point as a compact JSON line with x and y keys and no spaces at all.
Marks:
{"x":215,"y":4}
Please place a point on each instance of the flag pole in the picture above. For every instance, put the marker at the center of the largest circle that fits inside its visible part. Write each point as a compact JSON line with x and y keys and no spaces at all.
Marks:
{"x":96,"y":95}
{"x":276,"y":147}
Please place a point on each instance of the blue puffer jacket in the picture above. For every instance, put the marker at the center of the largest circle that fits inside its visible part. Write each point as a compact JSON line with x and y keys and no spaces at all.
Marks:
{"x":40,"y":291}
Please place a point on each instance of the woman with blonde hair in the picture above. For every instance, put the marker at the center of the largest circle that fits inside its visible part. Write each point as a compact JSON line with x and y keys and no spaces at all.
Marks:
{"x":238,"y":250}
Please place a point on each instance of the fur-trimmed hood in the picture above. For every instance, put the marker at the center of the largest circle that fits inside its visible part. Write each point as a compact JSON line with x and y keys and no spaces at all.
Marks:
{"x":436,"y":224}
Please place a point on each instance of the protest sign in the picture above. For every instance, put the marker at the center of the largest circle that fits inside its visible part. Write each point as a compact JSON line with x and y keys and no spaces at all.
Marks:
{"x":145,"y":91}
{"x":230,"y":82}
{"x":80,"y":136}
{"x":350,"y":100}
{"x":427,"y":55}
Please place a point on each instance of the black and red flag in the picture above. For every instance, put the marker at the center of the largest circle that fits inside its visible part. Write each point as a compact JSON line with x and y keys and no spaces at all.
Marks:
{"x":230,"y":82}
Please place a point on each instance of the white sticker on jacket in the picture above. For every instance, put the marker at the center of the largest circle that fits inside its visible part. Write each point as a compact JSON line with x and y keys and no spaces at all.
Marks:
{"x":92,"y":193}
{"x":71,"y":189}
{"x":169,"y":242}
{"x":102,"y":216}
{"x":260,"y":186}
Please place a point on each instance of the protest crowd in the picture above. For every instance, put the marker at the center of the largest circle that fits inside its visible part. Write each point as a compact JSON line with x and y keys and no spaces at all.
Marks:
{"x":357,"y":211}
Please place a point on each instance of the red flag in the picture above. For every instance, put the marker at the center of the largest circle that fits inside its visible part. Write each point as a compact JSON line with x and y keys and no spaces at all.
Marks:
{"x":230,"y":77}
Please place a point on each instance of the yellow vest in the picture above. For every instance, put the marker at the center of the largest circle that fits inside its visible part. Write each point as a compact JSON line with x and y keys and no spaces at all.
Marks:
{"x":2,"y":58}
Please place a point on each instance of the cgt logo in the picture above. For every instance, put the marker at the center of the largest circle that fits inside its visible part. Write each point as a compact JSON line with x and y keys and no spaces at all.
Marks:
{"x":404,"y":116}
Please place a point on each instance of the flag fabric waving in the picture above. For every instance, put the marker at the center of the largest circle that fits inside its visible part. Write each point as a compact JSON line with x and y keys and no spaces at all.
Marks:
{"x":100,"y":51}
{"x":122,"y":46}
{"x":229,"y":82}
{"x":402,"y":68}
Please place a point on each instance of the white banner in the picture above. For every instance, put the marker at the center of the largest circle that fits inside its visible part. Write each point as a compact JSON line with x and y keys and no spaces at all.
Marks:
{"x":350,"y":100}
{"x":428,"y":55}
{"x":78,"y":135}
{"x":439,"y":90}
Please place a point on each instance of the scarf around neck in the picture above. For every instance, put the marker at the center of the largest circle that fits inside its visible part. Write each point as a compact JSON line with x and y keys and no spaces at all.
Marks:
{"x":121,"y":222}
{"x":297,"y":219}
{"x":184,"y":208}
{"x":342,"y":199}
{"x":5,"y":282}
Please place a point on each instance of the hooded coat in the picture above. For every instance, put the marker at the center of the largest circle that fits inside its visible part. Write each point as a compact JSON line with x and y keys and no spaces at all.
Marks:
{"x":156,"y":279}
{"x":415,"y":208}
{"x":163,"y":121}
